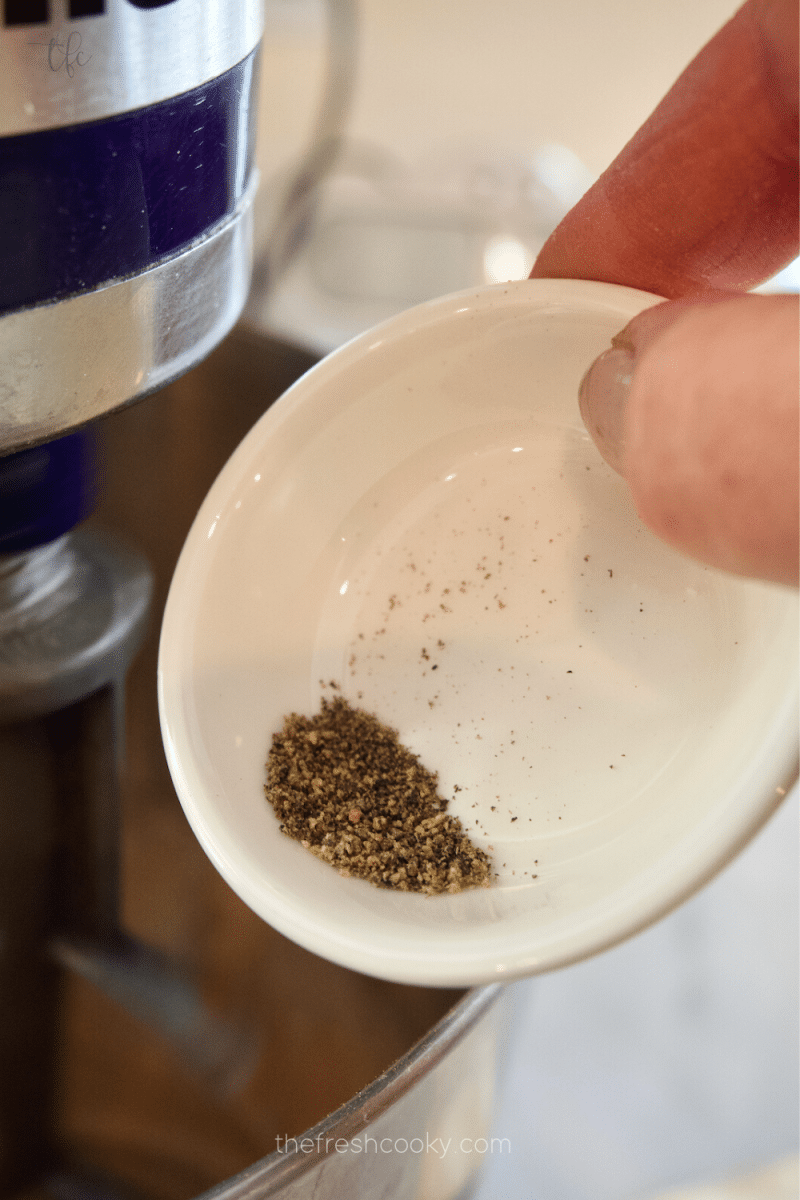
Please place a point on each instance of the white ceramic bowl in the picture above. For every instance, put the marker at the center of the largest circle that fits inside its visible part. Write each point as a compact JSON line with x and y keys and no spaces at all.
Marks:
{"x":423,"y":519}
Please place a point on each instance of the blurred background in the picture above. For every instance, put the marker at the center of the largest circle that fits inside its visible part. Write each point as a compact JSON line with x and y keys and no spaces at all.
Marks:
{"x":463,"y":132}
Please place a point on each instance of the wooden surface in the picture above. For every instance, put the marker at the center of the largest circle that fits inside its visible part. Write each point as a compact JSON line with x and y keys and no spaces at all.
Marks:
{"x":313,"y":1034}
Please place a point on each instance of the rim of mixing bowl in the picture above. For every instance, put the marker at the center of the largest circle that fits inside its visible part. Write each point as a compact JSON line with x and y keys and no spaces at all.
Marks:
{"x":271,"y":1174}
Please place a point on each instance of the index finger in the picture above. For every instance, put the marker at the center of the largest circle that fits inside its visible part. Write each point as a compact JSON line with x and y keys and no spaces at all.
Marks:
{"x":705,"y":193}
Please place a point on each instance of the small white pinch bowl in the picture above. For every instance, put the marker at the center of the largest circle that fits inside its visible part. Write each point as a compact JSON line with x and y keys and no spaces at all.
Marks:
{"x":423,"y":520}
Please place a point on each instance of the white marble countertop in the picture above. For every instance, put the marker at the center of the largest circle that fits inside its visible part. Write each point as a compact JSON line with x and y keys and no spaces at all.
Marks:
{"x":670,"y":1060}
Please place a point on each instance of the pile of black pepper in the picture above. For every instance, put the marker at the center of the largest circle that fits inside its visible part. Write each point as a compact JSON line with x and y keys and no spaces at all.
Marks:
{"x":344,"y":787}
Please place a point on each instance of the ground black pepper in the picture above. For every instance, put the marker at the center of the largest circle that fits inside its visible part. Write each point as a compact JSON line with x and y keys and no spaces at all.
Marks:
{"x":343,"y":786}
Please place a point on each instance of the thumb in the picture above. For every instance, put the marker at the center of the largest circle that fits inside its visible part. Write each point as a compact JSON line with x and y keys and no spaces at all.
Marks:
{"x":696,"y":404}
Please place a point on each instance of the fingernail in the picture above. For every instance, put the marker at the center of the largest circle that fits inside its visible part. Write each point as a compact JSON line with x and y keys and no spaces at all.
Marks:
{"x":603,"y":398}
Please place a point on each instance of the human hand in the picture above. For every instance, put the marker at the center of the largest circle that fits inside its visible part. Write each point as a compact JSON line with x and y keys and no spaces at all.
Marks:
{"x":696,"y":404}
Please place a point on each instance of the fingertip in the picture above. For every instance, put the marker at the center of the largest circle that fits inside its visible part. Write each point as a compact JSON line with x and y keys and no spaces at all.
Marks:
{"x":711,"y":435}
{"x":603,"y":400}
